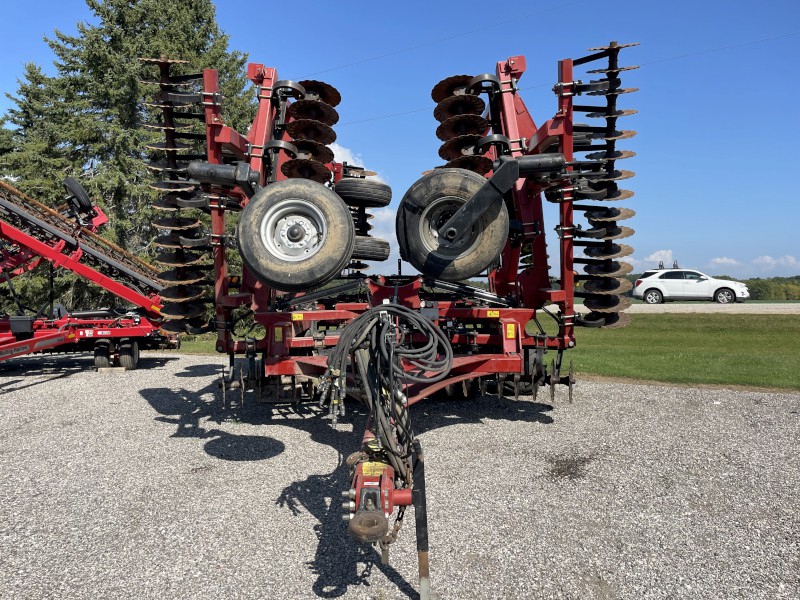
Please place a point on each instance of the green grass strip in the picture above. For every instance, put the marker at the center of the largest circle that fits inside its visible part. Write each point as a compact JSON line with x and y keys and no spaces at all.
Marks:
{"x":736,"y":349}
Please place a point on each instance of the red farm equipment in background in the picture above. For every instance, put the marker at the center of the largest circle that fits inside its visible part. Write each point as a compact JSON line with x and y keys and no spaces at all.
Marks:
{"x":389,"y":341}
{"x":32,"y":234}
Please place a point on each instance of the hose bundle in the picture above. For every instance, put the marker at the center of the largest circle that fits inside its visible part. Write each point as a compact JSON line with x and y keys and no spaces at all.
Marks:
{"x":382,"y":343}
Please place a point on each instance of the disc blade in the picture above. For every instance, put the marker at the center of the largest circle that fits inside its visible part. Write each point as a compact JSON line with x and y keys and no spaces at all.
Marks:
{"x":314,"y":110}
{"x":612,"y":114}
{"x":301,"y":168}
{"x":177,"y":311}
{"x":607,"y":303}
{"x":176,"y":223}
{"x":612,"y":269}
{"x":612,"y":251}
{"x":173,"y":186}
{"x":314,"y":150}
{"x":179,"y":258}
{"x":613,"y":92}
{"x":319,"y":90}
{"x":597,"y":213}
{"x":611,"y":155}
{"x":614,"y":70}
{"x":165,"y":127}
{"x":462,"y":125}
{"x":182,"y":293}
{"x":462,"y":145}
{"x":614,"y":46}
{"x":450,"y":86}
{"x":309,"y":129}
{"x":479,"y":164}
{"x":458,"y":105}
{"x":607,"y":285}
{"x":181,"y":277}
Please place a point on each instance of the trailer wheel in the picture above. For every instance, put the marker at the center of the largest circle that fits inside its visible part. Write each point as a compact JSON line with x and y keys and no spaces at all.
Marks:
{"x":428,"y":205}
{"x":129,"y":354}
{"x":363,"y":192}
{"x":102,"y":354}
{"x":82,"y":201}
{"x":369,"y":248}
{"x":296,"y":235}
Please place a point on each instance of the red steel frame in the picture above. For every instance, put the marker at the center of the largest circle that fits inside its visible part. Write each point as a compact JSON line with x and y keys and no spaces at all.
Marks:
{"x":49,"y":333}
{"x":287,"y":351}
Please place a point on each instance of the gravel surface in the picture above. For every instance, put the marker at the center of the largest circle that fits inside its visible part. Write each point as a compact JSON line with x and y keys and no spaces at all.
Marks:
{"x":139,"y":485}
{"x":744,"y":308}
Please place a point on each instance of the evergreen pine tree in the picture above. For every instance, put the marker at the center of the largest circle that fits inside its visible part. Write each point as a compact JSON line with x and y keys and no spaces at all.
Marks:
{"x":86,"y":120}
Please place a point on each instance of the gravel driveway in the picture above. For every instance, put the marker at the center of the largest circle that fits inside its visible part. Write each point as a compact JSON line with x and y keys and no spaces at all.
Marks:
{"x":138,"y":485}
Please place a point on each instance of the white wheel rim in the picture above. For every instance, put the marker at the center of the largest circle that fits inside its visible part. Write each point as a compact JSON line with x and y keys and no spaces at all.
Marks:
{"x":293,"y":230}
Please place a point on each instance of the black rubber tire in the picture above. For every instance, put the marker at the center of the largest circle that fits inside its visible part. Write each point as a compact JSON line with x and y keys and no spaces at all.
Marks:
{"x":655,"y":294}
{"x":725,"y":296}
{"x":76,"y":190}
{"x":102,"y":354}
{"x":437,"y":190}
{"x":324,"y":264}
{"x":370,"y":248}
{"x":363,"y":192}
{"x":129,"y":354}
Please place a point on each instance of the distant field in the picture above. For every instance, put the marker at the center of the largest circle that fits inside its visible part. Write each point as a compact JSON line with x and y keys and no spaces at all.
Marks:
{"x":725,"y":349}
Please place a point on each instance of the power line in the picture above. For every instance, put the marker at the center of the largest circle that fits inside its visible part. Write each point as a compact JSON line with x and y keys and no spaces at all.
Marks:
{"x":769,"y":39}
{"x":439,"y":41}
{"x":530,"y":87}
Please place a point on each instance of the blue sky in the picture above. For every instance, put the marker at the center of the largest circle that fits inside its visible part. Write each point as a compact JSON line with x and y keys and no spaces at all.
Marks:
{"x":717,"y":129}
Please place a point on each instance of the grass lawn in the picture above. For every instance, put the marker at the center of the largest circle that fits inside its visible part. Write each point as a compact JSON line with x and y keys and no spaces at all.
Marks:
{"x":735,"y":349}
{"x":746,"y":350}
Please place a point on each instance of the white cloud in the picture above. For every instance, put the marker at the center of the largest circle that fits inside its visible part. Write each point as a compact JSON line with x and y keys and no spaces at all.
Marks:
{"x":383,"y":226}
{"x":767,"y":263}
{"x":725,"y":261}
{"x":651,"y":261}
{"x":342,"y":154}
{"x":660,"y":255}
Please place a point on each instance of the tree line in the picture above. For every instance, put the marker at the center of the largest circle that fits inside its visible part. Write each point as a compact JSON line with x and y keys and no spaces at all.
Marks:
{"x":85,"y":118}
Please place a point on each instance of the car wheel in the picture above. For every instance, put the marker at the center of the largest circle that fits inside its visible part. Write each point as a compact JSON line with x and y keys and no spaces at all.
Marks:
{"x":724,"y":296}
{"x":653,"y":297}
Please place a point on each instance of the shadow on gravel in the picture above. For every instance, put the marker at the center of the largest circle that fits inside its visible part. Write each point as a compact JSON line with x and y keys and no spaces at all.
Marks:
{"x":338,"y":562}
{"x":49,"y":367}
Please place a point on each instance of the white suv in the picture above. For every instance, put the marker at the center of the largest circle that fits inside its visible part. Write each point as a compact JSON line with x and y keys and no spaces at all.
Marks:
{"x":660,"y":285}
